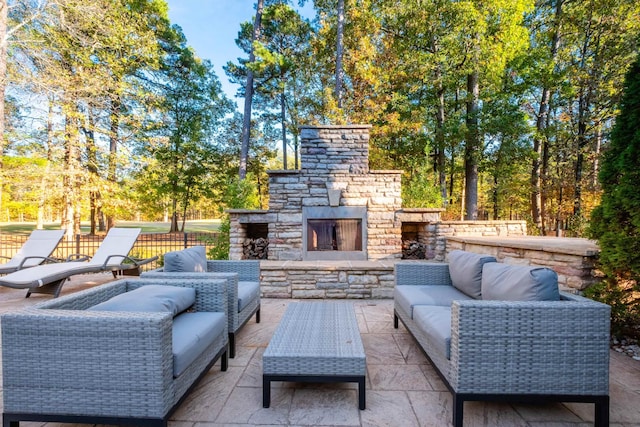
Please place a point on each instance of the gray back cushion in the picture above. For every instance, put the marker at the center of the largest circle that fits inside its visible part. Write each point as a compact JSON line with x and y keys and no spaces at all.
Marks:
{"x":151,"y":298}
{"x":465,"y":269}
{"x":191,"y":260}
{"x":519,"y":283}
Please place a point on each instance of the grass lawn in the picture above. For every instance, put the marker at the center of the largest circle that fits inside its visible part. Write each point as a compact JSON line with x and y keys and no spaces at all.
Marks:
{"x":147,"y":227}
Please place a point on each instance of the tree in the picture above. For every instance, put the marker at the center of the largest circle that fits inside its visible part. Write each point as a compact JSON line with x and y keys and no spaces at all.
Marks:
{"x":550,"y":33}
{"x":248,"y":95}
{"x":277,"y":69}
{"x":339,"y":53}
{"x":495,"y":36}
{"x":184,"y":149}
{"x":615,"y":223}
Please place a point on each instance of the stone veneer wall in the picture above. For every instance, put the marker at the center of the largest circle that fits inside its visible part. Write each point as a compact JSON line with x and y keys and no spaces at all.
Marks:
{"x":334,"y":158}
{"x":438,"y":232}
{"x":338,"y":280}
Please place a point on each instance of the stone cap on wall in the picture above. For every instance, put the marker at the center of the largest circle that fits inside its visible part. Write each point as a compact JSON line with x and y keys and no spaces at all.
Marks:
{"x":562,"y":245}
{"x":355,"y":126}
{"x":283,"y":171}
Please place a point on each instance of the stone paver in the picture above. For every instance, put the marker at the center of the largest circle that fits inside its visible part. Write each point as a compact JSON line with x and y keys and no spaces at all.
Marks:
{"x":403,"y":388}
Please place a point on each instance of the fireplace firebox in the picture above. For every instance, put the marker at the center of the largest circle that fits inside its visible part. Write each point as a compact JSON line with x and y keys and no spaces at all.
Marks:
{"x":334,"y":233}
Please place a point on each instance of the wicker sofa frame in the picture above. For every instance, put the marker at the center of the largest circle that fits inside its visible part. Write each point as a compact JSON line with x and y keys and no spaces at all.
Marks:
{"x":528,"y":352}
{"x":233,"y":272}
{"x":64,"y":363}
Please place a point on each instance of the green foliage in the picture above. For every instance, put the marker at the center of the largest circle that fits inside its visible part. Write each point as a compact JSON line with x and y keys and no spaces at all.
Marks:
{"x":421,"y":190}
{"x":625,"y":308}
{"x":615,"y":223}
{"x":221,"y":243}
{"x":238,"y":194}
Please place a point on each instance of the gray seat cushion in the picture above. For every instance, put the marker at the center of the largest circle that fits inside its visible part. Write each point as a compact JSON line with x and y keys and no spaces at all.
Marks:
{"x":151,"y":298}
{"x":408,"y":296}
{"x":193,"y":259}
{"x":247,"y":292}
{"x":435,"y":322}
{"x":192,"y":334}
{"x":506,"y":282}
{"x":465,"y":269}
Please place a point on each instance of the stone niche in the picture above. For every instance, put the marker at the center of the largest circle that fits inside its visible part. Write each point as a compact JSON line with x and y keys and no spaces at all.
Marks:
{"x":333,"y":208}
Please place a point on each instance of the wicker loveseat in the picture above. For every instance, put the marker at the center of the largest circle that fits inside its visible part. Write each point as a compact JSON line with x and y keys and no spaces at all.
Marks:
{"x":69,"y":360}
{"x":532,"y":344}
{"x":243,"y":283}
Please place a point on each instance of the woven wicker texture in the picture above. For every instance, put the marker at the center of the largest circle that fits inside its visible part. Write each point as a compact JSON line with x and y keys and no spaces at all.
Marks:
{"x":232,"y":272}
{"x":99,"y":363}
{"x":500,"y":347}
{"x":316,"y":338}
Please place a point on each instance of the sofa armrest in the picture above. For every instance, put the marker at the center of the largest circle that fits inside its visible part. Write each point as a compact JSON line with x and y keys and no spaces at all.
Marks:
{"x":422,"y":273}
{"x":539,"y":347}
{"x":95,"y":362}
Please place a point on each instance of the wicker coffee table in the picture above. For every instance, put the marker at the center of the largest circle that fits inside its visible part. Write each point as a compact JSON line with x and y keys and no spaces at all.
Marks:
{"x":315,"y":342}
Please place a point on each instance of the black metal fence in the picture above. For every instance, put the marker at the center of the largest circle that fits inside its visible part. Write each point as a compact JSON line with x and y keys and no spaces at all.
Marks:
{"x":147,"y":245}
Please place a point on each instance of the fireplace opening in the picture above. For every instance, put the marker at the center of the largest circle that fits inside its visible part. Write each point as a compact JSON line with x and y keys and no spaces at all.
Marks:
{"x":334,"y":233}
{"x":256,"y":242}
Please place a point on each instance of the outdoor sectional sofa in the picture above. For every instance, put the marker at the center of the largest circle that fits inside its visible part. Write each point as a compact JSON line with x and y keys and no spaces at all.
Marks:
{"x":124,"y":353}
{"x":498,"y":332}
{"x":243,"y":283}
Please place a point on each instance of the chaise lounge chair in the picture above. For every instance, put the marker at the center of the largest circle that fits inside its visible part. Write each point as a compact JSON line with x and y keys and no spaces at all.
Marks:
{"x":37,"y":249}
{"x":112,"y":255}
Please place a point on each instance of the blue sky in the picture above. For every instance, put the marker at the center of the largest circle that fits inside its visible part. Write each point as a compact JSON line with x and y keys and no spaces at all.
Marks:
{"x":211,"y":27}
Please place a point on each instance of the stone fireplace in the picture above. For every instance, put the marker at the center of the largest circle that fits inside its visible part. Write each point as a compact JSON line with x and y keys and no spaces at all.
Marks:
{"x":333,"y":208}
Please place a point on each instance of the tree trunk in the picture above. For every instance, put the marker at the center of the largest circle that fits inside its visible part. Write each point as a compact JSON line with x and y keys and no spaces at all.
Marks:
{"x":584,"y":113}
{"x":283,"y":121}
{"x":3,"y":79}
{"x":440,"y":140}
{"x":92,"y":167}
{"x":70,"y":197}
{"x":248,"y":95}
{"x":472,"y":148}
{"x":116,"y":108}
{"x":174,"y":216}
{"x":296,"y":150}
{"x":539,"y":140}
{"x":596,"y":156}
{"x":340,"y":53}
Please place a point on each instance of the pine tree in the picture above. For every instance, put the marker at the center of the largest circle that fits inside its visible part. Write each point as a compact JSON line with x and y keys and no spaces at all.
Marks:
{"x":615,"y":223}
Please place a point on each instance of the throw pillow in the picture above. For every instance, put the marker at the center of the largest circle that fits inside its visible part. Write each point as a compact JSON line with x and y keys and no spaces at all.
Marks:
{"x":465,"y":269}
{"x":151,"y":298}
{"x":506,"y":282}
{"x":193,"y":260}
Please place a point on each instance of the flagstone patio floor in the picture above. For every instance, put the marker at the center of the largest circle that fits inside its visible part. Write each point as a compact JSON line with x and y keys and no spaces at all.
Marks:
{"x":403,"y":389}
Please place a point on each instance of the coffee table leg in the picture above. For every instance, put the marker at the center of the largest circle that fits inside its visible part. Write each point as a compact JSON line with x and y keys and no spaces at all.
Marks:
{"x":361,"y":393}
{"x":266,"y":392}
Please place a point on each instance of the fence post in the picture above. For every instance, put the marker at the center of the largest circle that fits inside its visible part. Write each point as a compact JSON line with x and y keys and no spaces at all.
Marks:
{"x":185,"y":240}
{"x":78,"y":243}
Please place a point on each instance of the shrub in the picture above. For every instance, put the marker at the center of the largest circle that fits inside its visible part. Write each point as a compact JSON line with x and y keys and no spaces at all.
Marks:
{"x":615,"y":223}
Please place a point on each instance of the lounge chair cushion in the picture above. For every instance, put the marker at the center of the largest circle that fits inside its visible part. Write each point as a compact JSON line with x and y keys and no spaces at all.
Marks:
{"x":519,"y":283}
{"x":408,"y":296}
{"x":193,"y":259}
{"x":247,"y":292}
{"x":151,"y":298}
{"x":435,"y":322}
{"x":192,"y":334}
{"x":465,"y":269}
